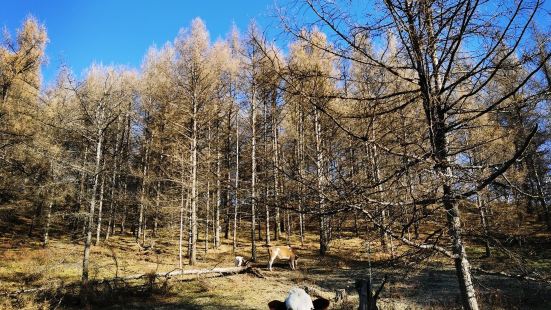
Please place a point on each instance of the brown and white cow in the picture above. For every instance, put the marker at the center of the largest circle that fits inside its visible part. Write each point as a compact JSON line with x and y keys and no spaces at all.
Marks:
{"x":282,"y":252}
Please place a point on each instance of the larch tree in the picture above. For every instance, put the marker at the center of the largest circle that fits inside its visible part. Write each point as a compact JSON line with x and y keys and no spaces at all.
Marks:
{"x":20,"y":61}
{"x":195,"y":82}
{"x":101,"y":97}
{"x":251,"y":72}
{"x":309,"y":84}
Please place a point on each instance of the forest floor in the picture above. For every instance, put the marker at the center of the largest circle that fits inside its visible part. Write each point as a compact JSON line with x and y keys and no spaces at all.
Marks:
{"x":413,"y":283}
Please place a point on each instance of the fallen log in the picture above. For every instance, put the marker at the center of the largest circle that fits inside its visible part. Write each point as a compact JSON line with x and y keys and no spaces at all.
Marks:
{"x":153,"y":276}
{"x":178,"y":272}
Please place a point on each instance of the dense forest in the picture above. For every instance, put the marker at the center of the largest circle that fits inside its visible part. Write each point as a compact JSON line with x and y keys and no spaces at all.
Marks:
{"x":420,"y":128}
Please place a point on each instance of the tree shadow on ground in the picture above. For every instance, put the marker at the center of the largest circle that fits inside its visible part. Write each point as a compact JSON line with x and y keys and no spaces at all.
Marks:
{"x":425,"y":285}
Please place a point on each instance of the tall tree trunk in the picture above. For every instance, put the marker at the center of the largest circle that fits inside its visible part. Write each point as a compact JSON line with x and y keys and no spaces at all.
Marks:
{"x":90,"y":219}
{"x":227,"y":224}
{"x":435,"y":111}
{"x":126,"y":151}
{"x":481,"y":204}
{"x":352,"y":176}
{"x":207,"y":214}
{"x":113,"y":206}
{"x":275,"y":154}
{"x":47,"y":224}
{"x":253,"y":174}
{"x":100,"y":206}
{"x":116,"y":158}
{"x":376,"y":177}
{"x":143,"y":191}
{"x":190,"y":226}
{"x":320,"y":175}
{"x":228,"y":196}
{"x":125,"y":208}
{"x":188,"y":217}
{"x":157,"y":208}
{"x":216,"y":220}
{"x":462,"y":266}
{"x":193,"y":253}
{"x":301,"y":171}
{"x":259,"y":221}
{"x":266,"y":187}
{"x":540,"y":192}
{"x":320,"y":183}
{"x":144,"y":230}
{"x":288,"y":227}
{"x":209,"y":155}
{"x":80,"y":204}
{"x":236,"y":203}
{"x":182,"y":210}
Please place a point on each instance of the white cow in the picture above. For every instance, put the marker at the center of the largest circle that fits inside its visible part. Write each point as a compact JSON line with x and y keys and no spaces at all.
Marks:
{"x":298,"y":299}
{"x":240,"y":261}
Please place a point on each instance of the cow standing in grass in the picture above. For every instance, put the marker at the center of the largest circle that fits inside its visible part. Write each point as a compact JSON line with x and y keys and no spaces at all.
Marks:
{"x":282,"y":252}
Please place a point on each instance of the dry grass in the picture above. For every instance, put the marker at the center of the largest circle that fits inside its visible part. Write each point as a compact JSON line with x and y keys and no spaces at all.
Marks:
{"x":414,"y":285}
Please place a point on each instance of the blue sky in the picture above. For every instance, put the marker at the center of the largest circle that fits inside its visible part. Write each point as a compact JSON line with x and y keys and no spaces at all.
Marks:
{"x":120,"y":31}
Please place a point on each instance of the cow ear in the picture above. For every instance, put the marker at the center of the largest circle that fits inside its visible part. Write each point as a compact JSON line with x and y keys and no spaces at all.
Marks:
{"x":321,"y":304}
{"x":276,"y":305}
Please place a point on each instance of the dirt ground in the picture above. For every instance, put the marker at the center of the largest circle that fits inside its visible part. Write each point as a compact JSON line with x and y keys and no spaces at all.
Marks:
{"x":412,"y":284}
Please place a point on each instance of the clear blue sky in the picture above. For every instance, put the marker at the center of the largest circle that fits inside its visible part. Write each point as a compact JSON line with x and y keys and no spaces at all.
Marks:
{"x":120,"y":31}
